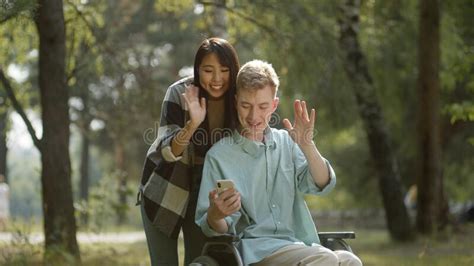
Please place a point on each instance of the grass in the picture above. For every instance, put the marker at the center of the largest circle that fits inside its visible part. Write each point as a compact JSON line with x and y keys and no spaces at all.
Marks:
{"x":375,"y":248}
{"x":21,"y":252}
{"x":372,"y":246}
{"x":109,"y":254}
{"x":33,"y":225}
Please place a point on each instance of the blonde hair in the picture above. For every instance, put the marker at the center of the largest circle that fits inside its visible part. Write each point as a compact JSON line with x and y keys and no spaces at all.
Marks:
{"x":257,"y":74}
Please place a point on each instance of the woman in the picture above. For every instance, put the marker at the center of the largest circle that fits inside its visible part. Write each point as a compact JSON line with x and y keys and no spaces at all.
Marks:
{"x":196,"y":113}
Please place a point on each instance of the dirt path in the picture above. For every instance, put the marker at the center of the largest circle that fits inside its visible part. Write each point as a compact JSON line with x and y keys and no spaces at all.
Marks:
{"x":87,"y":238}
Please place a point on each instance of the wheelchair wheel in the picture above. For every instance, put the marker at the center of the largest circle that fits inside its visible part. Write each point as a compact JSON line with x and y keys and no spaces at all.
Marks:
{"x":204,"y":261}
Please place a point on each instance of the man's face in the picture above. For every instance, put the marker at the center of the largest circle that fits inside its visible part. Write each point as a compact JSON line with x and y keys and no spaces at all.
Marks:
{"x":254,"y":108}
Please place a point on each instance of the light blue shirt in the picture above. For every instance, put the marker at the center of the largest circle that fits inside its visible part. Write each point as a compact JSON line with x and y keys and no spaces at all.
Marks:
{"x":272,"y":178}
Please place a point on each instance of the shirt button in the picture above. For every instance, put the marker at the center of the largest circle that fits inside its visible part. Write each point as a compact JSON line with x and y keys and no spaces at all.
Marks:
{"x":273,"y":206}
{"x":278,"y":223}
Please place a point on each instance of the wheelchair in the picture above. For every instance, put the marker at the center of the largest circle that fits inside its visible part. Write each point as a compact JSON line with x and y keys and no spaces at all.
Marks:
{"x":222,"y":251}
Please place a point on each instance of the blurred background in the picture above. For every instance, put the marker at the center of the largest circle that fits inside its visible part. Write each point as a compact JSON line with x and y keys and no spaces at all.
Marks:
{"x":363,"y":66}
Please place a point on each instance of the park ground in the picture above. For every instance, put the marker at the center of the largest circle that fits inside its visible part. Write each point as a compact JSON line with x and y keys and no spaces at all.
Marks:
{"x":373,"y":246}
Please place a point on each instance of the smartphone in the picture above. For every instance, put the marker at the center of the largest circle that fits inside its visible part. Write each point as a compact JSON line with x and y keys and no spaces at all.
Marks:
{"x":224,"y":184}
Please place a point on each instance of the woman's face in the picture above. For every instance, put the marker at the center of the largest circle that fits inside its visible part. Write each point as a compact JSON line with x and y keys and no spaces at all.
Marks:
{"x":214,"y":77}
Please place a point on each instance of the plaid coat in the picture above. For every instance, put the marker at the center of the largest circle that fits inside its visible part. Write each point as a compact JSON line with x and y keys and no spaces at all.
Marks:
{"x":166,"y":179}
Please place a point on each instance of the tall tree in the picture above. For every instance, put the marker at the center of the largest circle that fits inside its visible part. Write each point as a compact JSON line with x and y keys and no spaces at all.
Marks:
{"x":218,"y":27}
{"x":3,"y":136}
{"x":122,"y":176}
{"x":8,"y":11}
{"x":84,"y":72}
{"x":84,"y":127}
{"x":431,"y":203}
{"x":84,"y":171}
{"x":371,"y":113}
{"x":58,"y":210}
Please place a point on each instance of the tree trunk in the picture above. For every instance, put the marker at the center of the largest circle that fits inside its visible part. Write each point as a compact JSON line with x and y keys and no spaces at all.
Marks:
{"x":219,"y":19}
{"x":84,"y":128}
{"x":58,"y":210}
{"x":386,"y":164}
{"x":432,"y":204}
{"x":3,"y":139}
{"x":84,"y":169}
{"x":122,"y":182}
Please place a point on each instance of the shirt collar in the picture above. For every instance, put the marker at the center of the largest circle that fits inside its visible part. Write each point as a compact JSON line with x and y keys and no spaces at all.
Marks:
{"x":253,"y":147}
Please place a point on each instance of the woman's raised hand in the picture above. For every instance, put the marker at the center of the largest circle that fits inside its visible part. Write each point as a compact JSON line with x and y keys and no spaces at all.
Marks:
{"x":196,"y":106}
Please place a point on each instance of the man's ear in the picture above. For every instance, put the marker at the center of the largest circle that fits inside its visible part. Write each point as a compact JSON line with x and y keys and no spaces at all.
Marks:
{"x":275,"y":103}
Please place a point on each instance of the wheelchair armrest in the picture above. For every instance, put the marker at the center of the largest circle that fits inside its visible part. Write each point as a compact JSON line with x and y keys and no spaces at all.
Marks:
{"x":335,"y":240}
{"x":341,"y":235}
{"x":223,"y":250}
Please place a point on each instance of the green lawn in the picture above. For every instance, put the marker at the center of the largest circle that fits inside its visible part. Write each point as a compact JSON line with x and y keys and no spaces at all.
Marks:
{"x":373,"y":247}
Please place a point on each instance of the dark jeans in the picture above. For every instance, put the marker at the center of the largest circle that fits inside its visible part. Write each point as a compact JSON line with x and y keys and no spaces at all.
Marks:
{"x":164,"y":250}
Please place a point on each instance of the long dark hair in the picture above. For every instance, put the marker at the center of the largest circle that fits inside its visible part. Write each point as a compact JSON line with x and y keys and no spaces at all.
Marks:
{"x":228,"y":58}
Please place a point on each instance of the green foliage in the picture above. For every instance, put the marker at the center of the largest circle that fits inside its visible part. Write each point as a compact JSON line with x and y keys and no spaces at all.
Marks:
{"x":175,"y":7}
{"x":303,"y":47}
{"x":18,"y":41}
{"x":460,"y":188}
{"x":18,"y":54}
{"x":83,"y":22}
{"x":348,"y":153}
{"x":122,"y":55}
{"x":457,"y":66}
{"x":463,"y":111}
{"x":103,"y":204}
{"x":16,"y":9}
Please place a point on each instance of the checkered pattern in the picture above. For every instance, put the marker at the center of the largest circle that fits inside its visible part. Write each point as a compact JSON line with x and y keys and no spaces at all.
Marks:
{"x":166,"y":179}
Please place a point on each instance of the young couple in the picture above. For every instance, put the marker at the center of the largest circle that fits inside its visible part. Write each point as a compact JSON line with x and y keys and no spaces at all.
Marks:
{"x":271,"y":169}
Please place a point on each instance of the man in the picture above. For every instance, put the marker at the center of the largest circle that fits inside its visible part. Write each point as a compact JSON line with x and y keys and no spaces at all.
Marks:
{"x":271,"y":169}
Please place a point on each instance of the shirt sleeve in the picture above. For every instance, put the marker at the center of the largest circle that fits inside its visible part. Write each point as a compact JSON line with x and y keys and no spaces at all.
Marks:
{"x":210,"y":174}
{"x":171,"y":122}
{"x":305,"y":180}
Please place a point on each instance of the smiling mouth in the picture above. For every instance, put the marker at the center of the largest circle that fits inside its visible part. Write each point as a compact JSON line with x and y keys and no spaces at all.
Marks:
{"x":216,"y":87}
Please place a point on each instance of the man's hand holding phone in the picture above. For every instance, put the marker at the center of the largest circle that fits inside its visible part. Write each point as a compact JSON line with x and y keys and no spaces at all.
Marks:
{"x":223,"y":201}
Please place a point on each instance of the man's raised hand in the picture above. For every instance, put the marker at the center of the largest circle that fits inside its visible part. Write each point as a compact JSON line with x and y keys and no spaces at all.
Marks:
{"x":301,"y":131}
